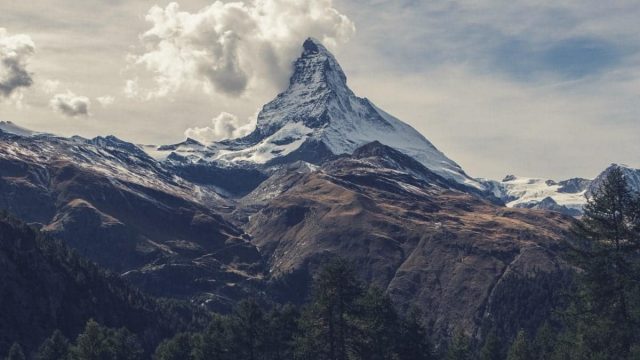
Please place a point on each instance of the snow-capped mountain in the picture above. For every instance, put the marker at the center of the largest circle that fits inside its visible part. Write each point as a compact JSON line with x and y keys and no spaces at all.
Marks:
{"x":124,"y":163}
{"x":316,"y":117}
{"x":568,"y":196}
{"x":10,"y":127}
{"x":631,"y":175}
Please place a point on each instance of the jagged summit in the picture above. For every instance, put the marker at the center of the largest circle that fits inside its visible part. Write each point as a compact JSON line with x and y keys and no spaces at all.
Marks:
{"x":317,"y":67}
{"x":318,"y":116}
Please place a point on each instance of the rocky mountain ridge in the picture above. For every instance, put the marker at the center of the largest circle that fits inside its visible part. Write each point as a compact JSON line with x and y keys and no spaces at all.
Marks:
{"x":315,"y":118}
{"x":568,"y":196}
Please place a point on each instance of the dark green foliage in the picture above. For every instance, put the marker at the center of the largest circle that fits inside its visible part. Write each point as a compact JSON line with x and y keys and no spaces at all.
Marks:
{"x":15,"y":352}
{"x":413,"y":340}
{"x":492,"y":349}
{"x":460,"y":347}
{"x":604,"y":319}
{"x":360,"y":325}
{"x":328,"y":319}
{"x":520,"y":348}
{"x":55,"y":347}
{"x":544,"y":343}
{"x":177,"y":348}
{"x":343,"y":321}
{"x":526,"y":302}
{"x":101,"y":343}
{"x":376,"y":327}
{"x":210,"y":344}
{"x":46,"y":287}
{"x":282,"y":328}
{"x":247,"y":330}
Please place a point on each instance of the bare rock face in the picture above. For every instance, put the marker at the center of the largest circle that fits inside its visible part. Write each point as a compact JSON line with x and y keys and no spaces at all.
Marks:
{"x":428,"y":244}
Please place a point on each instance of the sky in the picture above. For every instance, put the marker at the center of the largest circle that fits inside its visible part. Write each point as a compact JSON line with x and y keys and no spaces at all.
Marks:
{"x":530,"y":87}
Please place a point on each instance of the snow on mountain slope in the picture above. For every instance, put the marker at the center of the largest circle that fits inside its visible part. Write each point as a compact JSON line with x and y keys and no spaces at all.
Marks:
{"x":630,"y":174}
{"x":568,"y":196}
{"x":10,"y":127}
{"x":524,"y":192}
{"x":318,"y":112}
{"x":124,"y":163}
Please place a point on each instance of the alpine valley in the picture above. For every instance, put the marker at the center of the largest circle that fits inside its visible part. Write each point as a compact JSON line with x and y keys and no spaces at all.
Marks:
{"x":324,"y":174}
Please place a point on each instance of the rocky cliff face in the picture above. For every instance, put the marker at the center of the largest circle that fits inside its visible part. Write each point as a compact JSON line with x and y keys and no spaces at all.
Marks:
{"x":408,"y":231}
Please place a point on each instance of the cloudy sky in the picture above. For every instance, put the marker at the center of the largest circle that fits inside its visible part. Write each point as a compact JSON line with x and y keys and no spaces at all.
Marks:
{"x":531,"y":87}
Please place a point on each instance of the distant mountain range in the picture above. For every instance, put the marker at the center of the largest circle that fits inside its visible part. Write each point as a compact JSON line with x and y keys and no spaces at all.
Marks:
{"x":324,"y":174}
{"x":568,"y":196}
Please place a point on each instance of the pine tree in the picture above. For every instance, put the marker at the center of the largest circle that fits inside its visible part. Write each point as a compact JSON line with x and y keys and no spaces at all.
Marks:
{"x":212,"y":344}
{"x":460,"y":348}
{"x":101,"y":343}
{"x":90,"y":345}
{"x":377,"y":327}
{"x":606,"y":248}
{"x":520,"y":348}
{"x":15,"y":352}
{"x":328,"y":321}
{"x":247,"y":330}
{"x":544,"y":343}
{"x":282,"y":328}
{"x":491,"y":350}
{"x":568,"y":346}
{"x":55,"y":347}
{"x":177,"y":348}
{"x":413,"y":342}
{"x":123,"y":345}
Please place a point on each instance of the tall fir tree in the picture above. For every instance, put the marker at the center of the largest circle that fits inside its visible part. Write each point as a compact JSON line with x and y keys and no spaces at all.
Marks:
{"x":15,"y":352}
{"x":544,"y":343}
{"x":98,"y":342}
{"x":56,"y":347}
{"x":247,"y":330}
{"x":606,"y":249}
{"x":123,"y":345}
{"x":327,"y":321}
{"x":491,"y":349}
{"x":413,"y":341}
{"x":377,"y":327}
{"x":212,"y":344}
{"x":281,"y":331}
{"x":180,"y":347}
{"x":460,"y":347}
{"x":520,"y":349}
{"x":90,"y":344}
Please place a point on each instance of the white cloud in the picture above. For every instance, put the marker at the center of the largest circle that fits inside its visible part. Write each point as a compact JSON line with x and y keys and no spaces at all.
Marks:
{"x":50,"y":86}
{"x":106,"y":100}
{"x":131,"y":88}
{"x":227,"y":47}
{"x":225,"y":126}
{"x":70,"y":104}
{"x":15,"y":52}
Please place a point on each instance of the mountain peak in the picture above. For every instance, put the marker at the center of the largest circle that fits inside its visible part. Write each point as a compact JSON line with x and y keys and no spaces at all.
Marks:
{"x":317,"y":67}
{"x":318,"y":115}
{"x":313,"y":46}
